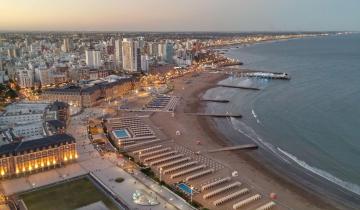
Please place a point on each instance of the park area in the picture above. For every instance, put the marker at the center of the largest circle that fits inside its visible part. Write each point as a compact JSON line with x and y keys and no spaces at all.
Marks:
{"x":67,"y":196}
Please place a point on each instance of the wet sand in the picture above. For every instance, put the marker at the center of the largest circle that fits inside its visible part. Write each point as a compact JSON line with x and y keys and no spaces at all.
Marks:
{"x":252,"y":170}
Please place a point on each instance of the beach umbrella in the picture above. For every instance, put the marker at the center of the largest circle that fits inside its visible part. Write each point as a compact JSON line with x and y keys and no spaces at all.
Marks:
{"x":273,"y":196}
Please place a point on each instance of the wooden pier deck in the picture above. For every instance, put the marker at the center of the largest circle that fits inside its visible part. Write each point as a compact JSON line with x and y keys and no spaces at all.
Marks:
{"x":239,"y":147}
{"x":216,"y":115}
{"x":239,"y":87}
{"x":255,"y":73}
{"x":215,"y":100}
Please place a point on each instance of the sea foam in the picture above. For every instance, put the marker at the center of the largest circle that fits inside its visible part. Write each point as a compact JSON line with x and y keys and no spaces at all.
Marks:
{"x":347,"y":185}
{"x":251,"y":134}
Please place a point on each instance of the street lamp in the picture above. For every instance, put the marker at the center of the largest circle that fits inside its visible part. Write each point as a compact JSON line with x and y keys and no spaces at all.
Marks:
{"x":160,"y":174}
{"x":140,"y":157}
{"x":191,"y":195}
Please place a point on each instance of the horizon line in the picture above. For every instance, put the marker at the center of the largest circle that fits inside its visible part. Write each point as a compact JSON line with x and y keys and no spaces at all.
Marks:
{"x":179,"y":31}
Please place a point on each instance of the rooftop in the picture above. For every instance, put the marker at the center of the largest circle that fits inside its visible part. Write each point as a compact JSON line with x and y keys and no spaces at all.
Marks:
{"x":17,"y":147}
{"x":90,"y":86}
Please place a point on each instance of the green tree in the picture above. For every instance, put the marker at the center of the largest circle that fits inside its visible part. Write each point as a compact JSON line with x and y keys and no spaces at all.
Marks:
{"x":11,"y":93}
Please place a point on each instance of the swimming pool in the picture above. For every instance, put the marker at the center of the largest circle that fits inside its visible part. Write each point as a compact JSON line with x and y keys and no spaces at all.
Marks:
{"x":121,"y":134}
{"x":184,"y":187}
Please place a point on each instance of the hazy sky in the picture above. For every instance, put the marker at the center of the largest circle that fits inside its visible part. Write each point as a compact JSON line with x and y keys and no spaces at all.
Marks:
{"x":180,"y":15}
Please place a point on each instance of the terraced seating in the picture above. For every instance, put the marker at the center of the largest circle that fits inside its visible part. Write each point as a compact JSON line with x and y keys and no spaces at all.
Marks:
{"x":200,"y":174}
{"x":141,"y":144}
{"x":159,"y":102}
{"x":165,"y":165}
{"x":187,"y":171}
{"x":166,"y":159}
{"x":147,"y":149}
{"x":172,"y":104}
{"x":267,"y":206}
{"x":159,"y":156}
{"x":246,"y":201}
{"x":215,"y":183}
{"x":155,"y":152}
{"x":135,"y":126}
{"x":175,"y":168}
{"x":231,"y":196}
{"x":221,"y":190}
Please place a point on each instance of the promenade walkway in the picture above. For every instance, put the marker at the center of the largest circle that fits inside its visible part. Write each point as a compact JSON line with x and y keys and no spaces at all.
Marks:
{"x":105,"y":169}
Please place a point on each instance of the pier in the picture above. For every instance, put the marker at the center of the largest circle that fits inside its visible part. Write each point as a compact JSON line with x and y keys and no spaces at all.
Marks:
{"x":234,"y":63}
{"x":216,"y":115}
{"x":239,"y":87}
{"x":215,"y":100}
{"x":239,"y":147}
{"x":254,"y":73}
{"x":268,"y":75}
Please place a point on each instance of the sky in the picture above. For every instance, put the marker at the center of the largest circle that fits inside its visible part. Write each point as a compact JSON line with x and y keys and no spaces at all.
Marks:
{"x":180,"y":15}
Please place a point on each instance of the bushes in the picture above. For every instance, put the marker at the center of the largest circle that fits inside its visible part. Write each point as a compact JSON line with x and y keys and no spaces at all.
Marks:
{"x":119,"y":179}
{"x":125,"y":155}
{"x":148,"y":172}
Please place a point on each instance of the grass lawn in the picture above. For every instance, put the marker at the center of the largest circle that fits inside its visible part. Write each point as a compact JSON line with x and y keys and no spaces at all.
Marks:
{"x":67,"y":196}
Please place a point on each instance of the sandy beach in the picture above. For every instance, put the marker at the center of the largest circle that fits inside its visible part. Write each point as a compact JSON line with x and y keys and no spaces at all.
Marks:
{"x":251,"y":169}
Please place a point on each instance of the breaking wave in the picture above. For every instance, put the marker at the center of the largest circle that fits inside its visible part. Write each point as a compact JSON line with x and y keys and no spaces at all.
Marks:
{"x":255,"y":116}
{"x":247,"y":131}
{"x":347,"y":185}
{"x":285,"y":156}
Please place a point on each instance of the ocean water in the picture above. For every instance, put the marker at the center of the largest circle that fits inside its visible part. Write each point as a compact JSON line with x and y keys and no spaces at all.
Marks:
{"x":311,"y":122}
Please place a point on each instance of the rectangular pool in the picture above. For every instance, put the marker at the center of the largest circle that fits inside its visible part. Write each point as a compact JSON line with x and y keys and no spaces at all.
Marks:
{"x":121,"y":134}
{"x":184,"y":187}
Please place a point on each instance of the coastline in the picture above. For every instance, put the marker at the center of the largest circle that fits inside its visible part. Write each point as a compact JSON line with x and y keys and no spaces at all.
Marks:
{"x":240,"y":45}
{"x":252,"y":168}
{"x":256,"y":162}
{"x":303,"y":180}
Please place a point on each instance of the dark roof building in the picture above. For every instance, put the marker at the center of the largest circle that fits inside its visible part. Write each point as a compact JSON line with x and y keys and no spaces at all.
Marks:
{"x":21,"y":158}
{"x":19,"y":147}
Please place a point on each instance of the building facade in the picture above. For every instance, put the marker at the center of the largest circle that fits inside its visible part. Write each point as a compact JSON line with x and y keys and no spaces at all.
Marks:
{"x":25,"y":78}
{"x":93,"y":58}
{"x":27,"y":120}
{"x":131,"y":55}
{"x":89,"y":96}
{"x":168,"y":52}
{"x":24,"y":158}
{"x":65,"y":47}
{"x":118,"y":52}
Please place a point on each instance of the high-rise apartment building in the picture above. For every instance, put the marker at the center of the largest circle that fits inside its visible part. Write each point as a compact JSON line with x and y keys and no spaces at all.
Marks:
{"x":131,"y":56}
{"x":93,"y":58}
{"x":145,"y":63}
{"x":168,"y":52}
{"x":153,"y":49}
{"x":66,"y":45}
{"x":118,"y":52}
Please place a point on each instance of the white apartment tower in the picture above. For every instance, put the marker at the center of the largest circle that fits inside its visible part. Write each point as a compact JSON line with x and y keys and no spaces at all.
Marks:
{"x":93,"y":58}
{"x":131,"y":57}
{"x":145,"y":63}
{"x":118,"y":52}
{"x":66,"y":45}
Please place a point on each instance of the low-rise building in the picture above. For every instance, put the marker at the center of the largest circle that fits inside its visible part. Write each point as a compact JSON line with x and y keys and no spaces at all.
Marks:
{"x":27,"y":157}
{"x":26,"y":121}
{"x":90,"y":94}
